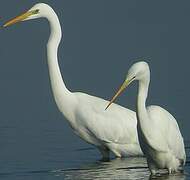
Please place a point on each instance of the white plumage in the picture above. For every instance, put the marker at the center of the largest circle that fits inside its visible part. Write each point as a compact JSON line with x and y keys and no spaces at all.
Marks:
{"x":158,"y":131}
{"x":113,"y":130}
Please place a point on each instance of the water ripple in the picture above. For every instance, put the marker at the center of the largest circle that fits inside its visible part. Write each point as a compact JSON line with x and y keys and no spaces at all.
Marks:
{"x":127,"y":168}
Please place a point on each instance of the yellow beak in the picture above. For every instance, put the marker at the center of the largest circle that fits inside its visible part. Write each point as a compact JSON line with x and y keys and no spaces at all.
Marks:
{"x":19,"y":18}
{"x":121,"y":89}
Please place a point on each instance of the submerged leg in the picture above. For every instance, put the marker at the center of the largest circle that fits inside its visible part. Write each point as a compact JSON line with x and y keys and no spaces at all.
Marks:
{"x":105,"y":153}
{"x":153,"y":172}
{"x":153,"y":169}
{"x":169,"y":170}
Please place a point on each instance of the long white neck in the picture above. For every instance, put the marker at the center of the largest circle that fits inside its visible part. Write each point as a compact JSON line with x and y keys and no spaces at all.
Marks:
{"x":142,"y":115}
{"x":63,"y":97}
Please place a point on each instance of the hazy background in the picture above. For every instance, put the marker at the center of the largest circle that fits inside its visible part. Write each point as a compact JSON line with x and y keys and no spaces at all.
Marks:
{"x":102,"y":39}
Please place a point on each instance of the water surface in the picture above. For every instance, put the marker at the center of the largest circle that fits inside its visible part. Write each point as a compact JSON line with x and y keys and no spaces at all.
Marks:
{"x":79,"y":163}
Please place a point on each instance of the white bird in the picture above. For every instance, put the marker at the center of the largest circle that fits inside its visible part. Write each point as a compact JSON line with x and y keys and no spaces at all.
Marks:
{"x":114,"y":130}
{"x":159,"y":135}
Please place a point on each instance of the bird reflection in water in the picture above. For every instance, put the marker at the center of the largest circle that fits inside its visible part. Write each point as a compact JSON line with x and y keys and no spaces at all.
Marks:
{"x":129,"y":168}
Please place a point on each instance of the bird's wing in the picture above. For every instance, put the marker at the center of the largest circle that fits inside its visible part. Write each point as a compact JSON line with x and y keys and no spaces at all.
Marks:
{"x":115,"y":125}
{"x":169,"y":135}
{"x":151,"y":133}
{"x":175,"y":139}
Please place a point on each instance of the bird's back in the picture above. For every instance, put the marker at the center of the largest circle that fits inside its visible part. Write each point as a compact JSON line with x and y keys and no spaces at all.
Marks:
{"x":117,"y":124}
{"x":168,"y":132}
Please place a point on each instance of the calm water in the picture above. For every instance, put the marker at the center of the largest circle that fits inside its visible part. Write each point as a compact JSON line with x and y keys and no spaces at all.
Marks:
{"x":44,"y":156}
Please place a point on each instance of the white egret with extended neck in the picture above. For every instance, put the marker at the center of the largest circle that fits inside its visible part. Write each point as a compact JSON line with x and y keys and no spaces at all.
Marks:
{"x":85,"y":114}
{"x":158,"y":131}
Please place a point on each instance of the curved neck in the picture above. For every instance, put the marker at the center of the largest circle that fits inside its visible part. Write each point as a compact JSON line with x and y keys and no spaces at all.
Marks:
{"x":52,"y":49}
{"x":61,"y":94}
{"x":142,"y":115}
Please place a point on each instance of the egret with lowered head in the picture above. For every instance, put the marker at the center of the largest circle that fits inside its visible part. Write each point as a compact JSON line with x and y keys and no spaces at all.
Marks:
{"x":114,"y":130}
{"x":159,"y":135}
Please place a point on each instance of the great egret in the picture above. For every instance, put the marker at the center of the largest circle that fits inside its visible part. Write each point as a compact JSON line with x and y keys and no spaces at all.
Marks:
{"x":159,"y":135}
{"x":85,"y":113}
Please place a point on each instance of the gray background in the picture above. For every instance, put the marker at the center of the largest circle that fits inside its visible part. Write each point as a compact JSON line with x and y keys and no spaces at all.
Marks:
{"x":101,"y":41}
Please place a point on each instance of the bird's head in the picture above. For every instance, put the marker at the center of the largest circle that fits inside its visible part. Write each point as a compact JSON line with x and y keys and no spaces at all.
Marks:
{"x":138,"y":71}
{"x":37,"y":11}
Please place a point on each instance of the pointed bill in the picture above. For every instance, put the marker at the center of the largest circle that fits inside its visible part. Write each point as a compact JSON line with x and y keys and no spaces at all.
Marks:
{"x":20,"y":18}
{"x":121,"y":89}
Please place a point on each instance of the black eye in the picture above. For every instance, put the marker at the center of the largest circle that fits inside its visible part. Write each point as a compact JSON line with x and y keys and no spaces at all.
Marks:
{"x":36,"y":11}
